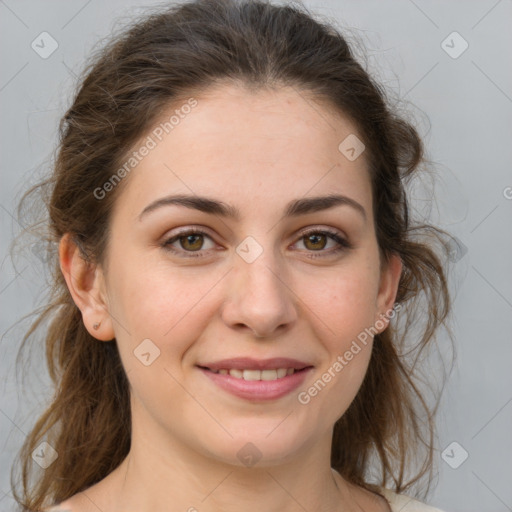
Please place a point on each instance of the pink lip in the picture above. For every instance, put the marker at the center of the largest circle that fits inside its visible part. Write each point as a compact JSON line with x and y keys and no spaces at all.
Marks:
{"x":258,"y":390}
{"x":247,"y":363}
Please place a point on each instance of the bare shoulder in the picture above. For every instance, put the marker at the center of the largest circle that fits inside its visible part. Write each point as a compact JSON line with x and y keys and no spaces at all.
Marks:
{"x":92,"y":499}
{"x":65,"y":506}
{"x":365,"y":499}
{"x":76,"y":503}
{"x":61,"y":507}
{"x":374,"y":502}
{"x":369,"y":501}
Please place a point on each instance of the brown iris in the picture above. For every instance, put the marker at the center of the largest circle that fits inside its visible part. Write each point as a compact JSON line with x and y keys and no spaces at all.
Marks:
{"x":314,"y":238}
{"x":194,"y":246}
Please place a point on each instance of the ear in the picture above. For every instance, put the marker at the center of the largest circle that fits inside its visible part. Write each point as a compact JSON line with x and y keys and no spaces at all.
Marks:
{"x":388,"y":288}
{"x":86,"y":284}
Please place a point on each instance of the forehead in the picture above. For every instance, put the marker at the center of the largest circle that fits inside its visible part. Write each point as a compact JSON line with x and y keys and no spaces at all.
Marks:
{"x":248,"y":147}
{"x":285,"y":114}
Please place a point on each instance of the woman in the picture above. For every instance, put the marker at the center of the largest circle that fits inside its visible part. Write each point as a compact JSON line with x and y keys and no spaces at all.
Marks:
{"x":234,"y":243}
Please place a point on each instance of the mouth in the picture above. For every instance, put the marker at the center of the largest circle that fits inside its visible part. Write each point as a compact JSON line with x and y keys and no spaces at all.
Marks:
{"x":251,"y":374}
{"x":257,"y":380}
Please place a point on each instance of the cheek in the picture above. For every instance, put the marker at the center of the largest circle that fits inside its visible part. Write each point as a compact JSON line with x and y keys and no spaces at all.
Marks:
{"x":169,"y":308}
{"x":162,"y":315}
{"x":342,"y":307}
{"x":346,"y":317}
{"x":344,"y":303}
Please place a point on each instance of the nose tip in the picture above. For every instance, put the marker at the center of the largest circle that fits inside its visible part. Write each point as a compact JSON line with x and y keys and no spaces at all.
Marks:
{"x":259,"y":300}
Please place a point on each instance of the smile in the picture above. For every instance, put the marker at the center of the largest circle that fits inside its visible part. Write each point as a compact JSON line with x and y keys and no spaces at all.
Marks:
{"x":257,"y":385}
{"x":256,"y":374}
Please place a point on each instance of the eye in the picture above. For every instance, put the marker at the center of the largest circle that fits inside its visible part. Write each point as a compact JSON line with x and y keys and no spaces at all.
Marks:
{"x":316,"y":240}
{"x":191,"y":241}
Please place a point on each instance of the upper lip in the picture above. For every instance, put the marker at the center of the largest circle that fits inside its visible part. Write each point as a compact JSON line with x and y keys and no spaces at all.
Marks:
{"x":248,"y":363}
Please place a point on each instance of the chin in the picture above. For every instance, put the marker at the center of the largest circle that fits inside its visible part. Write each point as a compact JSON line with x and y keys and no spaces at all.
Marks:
{"x":271,"y":444}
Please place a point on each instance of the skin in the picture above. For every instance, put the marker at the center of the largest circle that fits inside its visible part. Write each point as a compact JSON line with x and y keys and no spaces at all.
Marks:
{"x":255,"y":151}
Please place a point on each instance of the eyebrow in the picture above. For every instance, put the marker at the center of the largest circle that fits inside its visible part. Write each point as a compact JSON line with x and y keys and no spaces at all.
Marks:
{"x":293,"y":208}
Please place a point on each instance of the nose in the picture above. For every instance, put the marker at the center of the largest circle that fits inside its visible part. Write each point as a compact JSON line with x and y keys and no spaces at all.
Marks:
{"x":259,"y":299}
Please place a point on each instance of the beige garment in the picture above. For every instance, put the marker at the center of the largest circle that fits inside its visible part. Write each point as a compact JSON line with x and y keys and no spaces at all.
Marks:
{"x":403,"y":503}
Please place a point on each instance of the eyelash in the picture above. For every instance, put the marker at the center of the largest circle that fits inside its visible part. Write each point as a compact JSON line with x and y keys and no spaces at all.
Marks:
{"x":343,"y":244}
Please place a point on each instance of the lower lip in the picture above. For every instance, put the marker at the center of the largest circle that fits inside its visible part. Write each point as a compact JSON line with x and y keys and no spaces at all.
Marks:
{"x":257,"y":390}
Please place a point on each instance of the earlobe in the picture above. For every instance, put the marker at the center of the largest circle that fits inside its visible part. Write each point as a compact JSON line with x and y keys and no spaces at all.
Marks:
{"x":86,"y":285}
{"x":388,"y":288}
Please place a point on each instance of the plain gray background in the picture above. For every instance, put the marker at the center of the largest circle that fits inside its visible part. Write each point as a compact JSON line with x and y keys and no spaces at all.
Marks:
{"x":462,"y":102}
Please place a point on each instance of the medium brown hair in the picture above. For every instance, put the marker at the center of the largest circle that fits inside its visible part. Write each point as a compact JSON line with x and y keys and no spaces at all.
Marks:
{"x":159,"y":60}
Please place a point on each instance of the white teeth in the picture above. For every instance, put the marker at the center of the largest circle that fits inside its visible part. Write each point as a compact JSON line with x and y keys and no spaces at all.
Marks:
{"x":252,"y":375}
{"x":268,"y":374}
{"x":239,"y":374}
{"x":257,"y":374}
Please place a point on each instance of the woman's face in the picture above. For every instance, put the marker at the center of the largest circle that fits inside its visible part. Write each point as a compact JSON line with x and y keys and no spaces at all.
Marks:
{"x":267,"y":283}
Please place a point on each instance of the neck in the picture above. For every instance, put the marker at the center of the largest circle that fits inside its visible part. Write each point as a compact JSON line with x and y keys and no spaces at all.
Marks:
{"x":162,"y":472}
{"x":157,"y":477}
